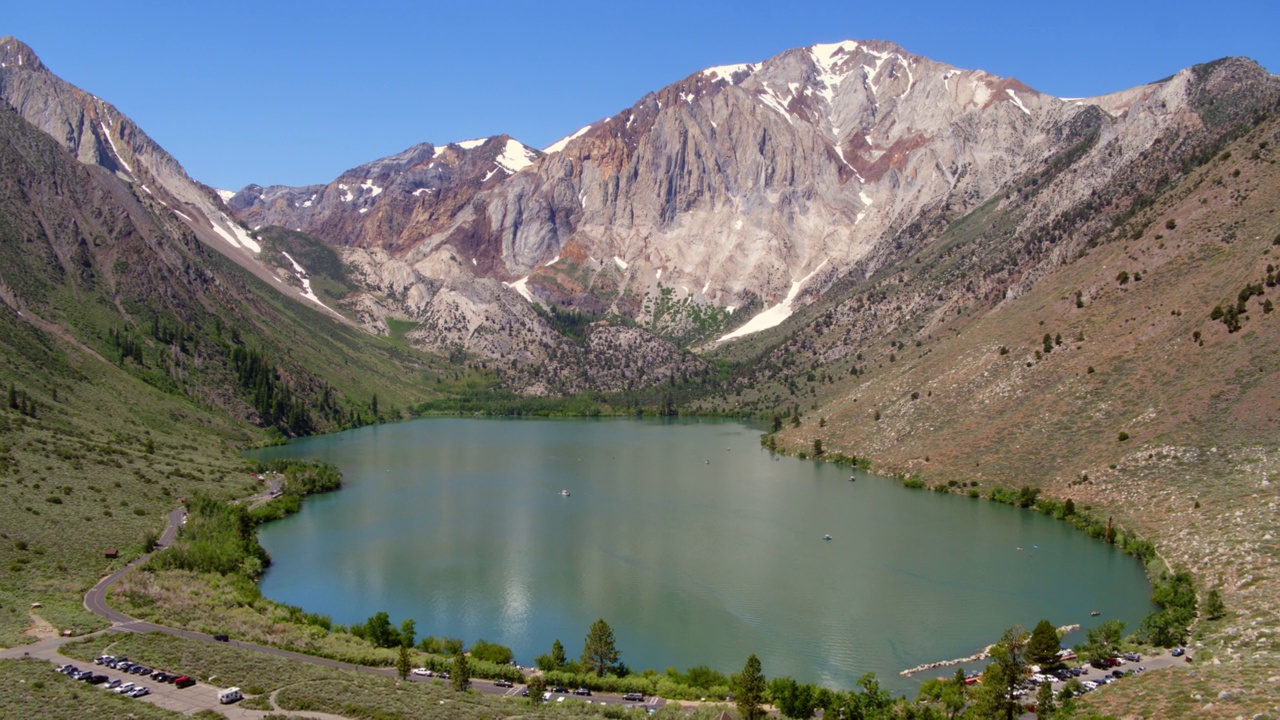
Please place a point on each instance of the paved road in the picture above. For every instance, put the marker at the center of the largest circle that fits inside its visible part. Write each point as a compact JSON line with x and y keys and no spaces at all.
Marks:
{"x":95,"y":602}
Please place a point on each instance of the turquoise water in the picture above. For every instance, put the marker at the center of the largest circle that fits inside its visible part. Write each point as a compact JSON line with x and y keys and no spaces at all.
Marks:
{"x":697,"y":545}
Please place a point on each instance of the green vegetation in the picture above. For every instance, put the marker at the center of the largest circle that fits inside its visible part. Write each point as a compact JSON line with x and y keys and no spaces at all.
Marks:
{"x":749,"y":689}
{"x":218,"y":538}
{"x":1101,"y":642}
{"x":1175,"y":594}
{"x":599,"y":653}
{"x":1043,"y":645}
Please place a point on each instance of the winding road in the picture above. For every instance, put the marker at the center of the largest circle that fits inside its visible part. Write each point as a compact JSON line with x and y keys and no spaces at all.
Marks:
{"x":203,"y":696}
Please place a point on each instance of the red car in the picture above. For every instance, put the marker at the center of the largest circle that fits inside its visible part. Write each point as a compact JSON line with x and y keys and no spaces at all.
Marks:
{"x":183,"y":681}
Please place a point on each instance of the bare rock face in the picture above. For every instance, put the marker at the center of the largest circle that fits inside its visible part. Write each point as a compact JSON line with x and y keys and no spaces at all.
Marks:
{"x":732,"y":185}
{"x":98,"y":134}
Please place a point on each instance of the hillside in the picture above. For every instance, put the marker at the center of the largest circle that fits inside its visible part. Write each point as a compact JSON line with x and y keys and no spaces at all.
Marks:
{"x":1117,"y":377}
{"x":965,"y":281}
{"x":136,"y":363}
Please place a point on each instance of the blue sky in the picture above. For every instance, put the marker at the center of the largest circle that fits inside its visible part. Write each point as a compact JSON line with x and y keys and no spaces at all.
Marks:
{"x":295,"y":93}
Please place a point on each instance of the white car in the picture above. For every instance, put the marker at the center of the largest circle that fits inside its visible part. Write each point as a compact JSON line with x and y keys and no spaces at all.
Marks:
{"x":423,"y":672}
{"x":125,"y":688}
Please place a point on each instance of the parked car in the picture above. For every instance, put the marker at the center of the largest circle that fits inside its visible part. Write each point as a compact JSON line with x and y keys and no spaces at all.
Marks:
{"x":140,"y":691}
{"x":1132,"y":657}
{"x":633,"y":697}
{"x":443,"y":676}
{"x":502,"y":683}
{"x":558,"y":689}
{"x":184,"y":682}
{"x":112,"y":684}
{"x":583,"y":692}
{"x":127,"y":687}
{"x":423,"y":672}
{"x":1177,"y":652}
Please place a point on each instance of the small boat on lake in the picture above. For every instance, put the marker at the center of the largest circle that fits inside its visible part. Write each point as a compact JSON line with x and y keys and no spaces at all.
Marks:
{"x":852,"y":479}
{"x":564,"y":493}
{"x":1095,"y":613}
{"x":826,"y":537}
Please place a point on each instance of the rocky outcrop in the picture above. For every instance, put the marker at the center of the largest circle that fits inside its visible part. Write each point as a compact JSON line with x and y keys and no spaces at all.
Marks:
{"x":96,"y":133}
{"x":738,"y":182}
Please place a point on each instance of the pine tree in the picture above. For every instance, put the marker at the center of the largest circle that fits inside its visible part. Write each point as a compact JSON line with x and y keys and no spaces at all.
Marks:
{"x":599,"y":655}
{"x":558,"y":658}
{"x":460,"y":678}
{"x":1214,"y":608}
{"x":1042,"y":648}
{"x":749,"y":690}
{"x":403,"y":662}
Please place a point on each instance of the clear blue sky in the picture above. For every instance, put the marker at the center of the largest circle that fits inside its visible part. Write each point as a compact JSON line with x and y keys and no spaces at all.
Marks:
{"x":295,"y":93}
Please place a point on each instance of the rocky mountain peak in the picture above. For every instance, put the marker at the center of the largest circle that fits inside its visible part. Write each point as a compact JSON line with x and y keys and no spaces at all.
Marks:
{"x":15,"y":53}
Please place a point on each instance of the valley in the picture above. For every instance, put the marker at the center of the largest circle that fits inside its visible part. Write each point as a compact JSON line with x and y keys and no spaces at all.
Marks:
{"x":964,"y":281}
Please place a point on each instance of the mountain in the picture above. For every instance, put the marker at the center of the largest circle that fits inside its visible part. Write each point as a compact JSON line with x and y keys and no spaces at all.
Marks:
{"x":939,"y":271}
{"x":96,"y":133}
{"x":740,"y":190}
{"x":93,"y":257}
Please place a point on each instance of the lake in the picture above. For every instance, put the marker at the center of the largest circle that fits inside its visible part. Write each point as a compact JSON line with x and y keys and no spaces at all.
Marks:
{"x":696,"y":544}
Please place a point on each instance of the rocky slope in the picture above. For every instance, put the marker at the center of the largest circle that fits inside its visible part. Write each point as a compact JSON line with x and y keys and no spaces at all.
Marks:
{"x":97,"y":133}
{"x":756,"y":184}
{"x":1119,"y":352}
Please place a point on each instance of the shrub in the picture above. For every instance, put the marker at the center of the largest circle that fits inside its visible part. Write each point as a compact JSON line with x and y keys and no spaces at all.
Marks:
{"x":1122,"y":436}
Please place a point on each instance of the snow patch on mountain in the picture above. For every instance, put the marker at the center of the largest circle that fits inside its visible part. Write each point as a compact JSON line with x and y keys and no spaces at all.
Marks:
{"x":559,"y":145}
{"x":347,"y":195}
{"x":772,"y":99}
{"x":370,"y":187}
{"x":112,"y":143}
{"x":516,"y":157}
{"x":824,"y":56}
{"x":226,"y":195}
{"x":1016,"y":101}
{"x":522,"y":286}
{"x":302,"y":276}
{"x":726,"y":72}
{"x":773,"y":316}
{"x":236,"y":236}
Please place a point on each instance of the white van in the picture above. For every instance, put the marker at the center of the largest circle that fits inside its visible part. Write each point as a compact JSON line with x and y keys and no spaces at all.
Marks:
{"x":230,"y":695}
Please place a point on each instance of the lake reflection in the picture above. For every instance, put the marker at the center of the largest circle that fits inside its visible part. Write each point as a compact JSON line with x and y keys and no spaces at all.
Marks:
{"x":697,"y":545}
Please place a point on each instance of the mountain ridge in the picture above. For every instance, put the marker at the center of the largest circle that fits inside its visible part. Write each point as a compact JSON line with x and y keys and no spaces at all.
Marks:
{"x":668,"y":197}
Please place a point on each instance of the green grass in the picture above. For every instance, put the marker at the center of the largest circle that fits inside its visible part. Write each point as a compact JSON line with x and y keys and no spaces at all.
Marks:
{"x":397,"y":329}
{"x":79,"y":480}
